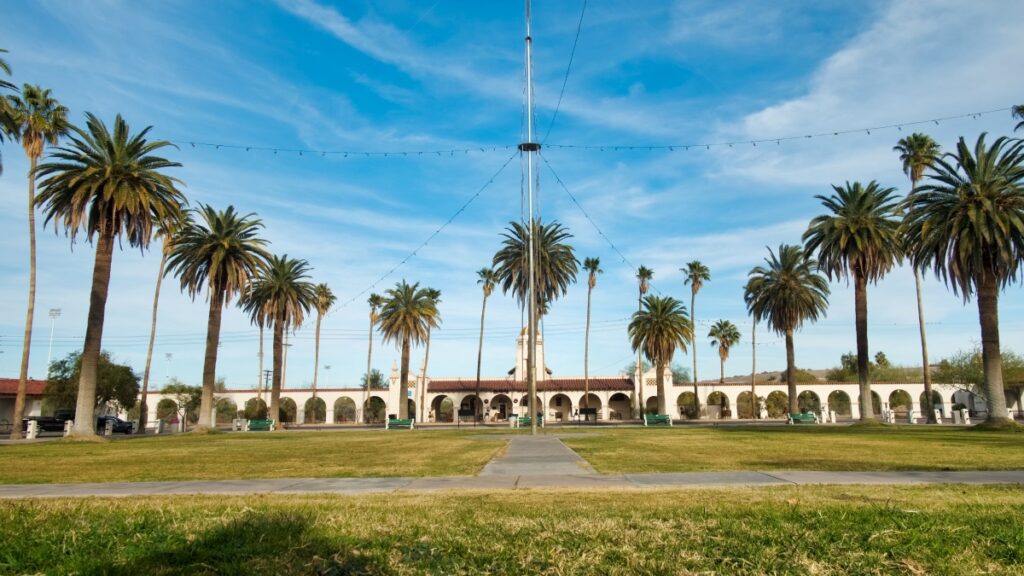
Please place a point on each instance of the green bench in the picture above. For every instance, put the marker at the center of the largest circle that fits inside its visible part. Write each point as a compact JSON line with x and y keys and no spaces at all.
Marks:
{"x":264,"y":425}
{"x":525,"y":421}
{"x":808,"y":418}
{"x":399,"y":423}
{"x":657,"y":420}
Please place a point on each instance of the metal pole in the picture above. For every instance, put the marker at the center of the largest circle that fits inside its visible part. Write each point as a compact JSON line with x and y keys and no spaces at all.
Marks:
{"x":54,"y":314}
{"x":530,"y":147}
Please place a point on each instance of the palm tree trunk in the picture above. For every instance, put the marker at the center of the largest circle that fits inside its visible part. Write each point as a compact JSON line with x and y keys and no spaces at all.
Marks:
{"x":369,"y":357}
{"x":85,"y":407}
{"x":19,"y":401}
{"x":641,"y":402}
{"x":275,"y":385}
{"x":316,"y":354}
{"x":586,"y":354}
{"x":403,"y":383}
{"x":693,"y":320}
{"x":992,"y":363}
{"x":660,"y":380}
{"x":753,"y":372}
{"x":721,"y":367}
{"x":143,"y":409}
{"x":860,"y":291}
{"x":794,"y":405}
{"x":480,"y":348}
{"x":259,"y":377}
{"x":928,"y":407}
{"x":423,"y":388}
{"x":210,"y":361}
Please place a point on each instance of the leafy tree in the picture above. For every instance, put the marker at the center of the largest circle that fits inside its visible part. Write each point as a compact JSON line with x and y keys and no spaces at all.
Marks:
{"x":324,"y":299}
{"x":108,"y":186}
{"x":724,"y":335}
{"x":255,"y":409}
{"x":918,"y":152}
{"x":36,"y":119}
{"x":881,"y":360}
{"x":187,"y":398}
{"x":680,"y":373}
{"x":786,"y":293}
{"x":967,"y":224}
{"x":630,"y":369}
{"x":696,"y":274}
{"x":117,"y":385}
{"x":221,"y":252}
{"x":593,"y":268}
{"x":406,"y":318}
{"x":966,"y":367}
{"x":487,"y":278}
{"x":658,"y":330}
{"x":377,"y":380}
{"x":857,"y":238}
{"x":281,"y":295}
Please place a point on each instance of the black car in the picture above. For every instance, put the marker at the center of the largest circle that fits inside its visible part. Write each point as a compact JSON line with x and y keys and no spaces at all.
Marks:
{"x":120,"y":426}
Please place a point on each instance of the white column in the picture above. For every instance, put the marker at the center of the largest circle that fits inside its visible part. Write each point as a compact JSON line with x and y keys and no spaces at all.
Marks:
{"x":329,"y":413}
{"x":300,"y":413}
{"x":854,"y":408}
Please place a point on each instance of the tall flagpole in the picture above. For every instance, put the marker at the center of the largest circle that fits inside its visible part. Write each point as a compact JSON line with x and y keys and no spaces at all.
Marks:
{"x":530,"y":147}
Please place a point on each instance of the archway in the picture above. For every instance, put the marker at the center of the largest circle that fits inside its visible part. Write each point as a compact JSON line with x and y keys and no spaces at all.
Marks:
{"x":499,"y":407}
{"x":410,"y":406}
{"x":315,"y":411}
{"x":470,"y":408}
{"x":718,"y":405}
{"x":839,"y":402}
{"x":937,"y":403}
{"x":344,"y":410}
{"x":227,"y":410}
{"x":524,"y":405}
{"x":287,"y":410}
{"x":743,"y":407}
{"x":777,"y":404}
{"x":442,"y":408}
{"x":167,"y":410}
{"x":619,"y":406}
{"x":900,"y":402}
{"x":651,"y":406}
{"x":808,"y":401}
{"x":560,"y":407}
{"x":590,"y":402}
{"x":376,"y":409}
{"x":686,"y":405}
{"x":255,"y":409}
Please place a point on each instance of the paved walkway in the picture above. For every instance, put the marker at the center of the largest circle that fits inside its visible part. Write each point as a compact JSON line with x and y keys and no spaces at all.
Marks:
{"x":527,"y":462}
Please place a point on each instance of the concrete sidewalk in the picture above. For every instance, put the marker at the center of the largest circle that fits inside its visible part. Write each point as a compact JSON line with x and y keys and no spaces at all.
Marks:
{"x":581,"y":481}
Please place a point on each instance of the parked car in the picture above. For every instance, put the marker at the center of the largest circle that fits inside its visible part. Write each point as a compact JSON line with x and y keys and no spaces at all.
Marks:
{"x":120,"y":426}
{"x":46,"y":423}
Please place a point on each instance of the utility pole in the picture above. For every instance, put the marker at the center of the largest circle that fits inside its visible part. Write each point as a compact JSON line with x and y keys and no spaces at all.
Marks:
{"x":54,"y":314}
{"x":530,"y":148}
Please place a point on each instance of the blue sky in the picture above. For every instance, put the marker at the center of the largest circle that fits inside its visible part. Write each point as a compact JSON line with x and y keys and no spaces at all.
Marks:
{"x":414,"y":76}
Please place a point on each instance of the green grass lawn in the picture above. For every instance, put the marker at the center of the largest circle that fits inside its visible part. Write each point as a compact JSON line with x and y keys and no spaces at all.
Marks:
{"x":249,"y":455}
{"x":686,"y":449}
{"x":797,"y":530}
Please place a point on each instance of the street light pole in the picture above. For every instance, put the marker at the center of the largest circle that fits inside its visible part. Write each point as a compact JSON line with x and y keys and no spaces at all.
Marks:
{"x":54,"y":314}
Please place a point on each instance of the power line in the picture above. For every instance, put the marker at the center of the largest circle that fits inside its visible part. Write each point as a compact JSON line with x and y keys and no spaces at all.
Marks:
{"x":565,"y":80}
{"x":778,"y":140}
{"x":431,"y":237}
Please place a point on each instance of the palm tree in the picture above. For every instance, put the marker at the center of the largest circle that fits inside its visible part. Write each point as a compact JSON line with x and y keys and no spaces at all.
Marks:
{"x":408,"y":314}
{"x":859,"y":238}
{"x":324,"y":299}
{"x":435,"y":295}
{"x":376,"y":301}
{"x":37,"y":119}
{"x":487,"y":278}
{"x":280,"y":295}
{"x":644,"y":275}
{"x":696,"y":274}
{"x":6,"y":120}
{"x":167,"y":231}
{"x":917,"y":152}
{"x":555,"y":268}
{"x":108,"y":186}
{"x":593,"y":268}
{"x":223,"y":254}
{"x":1018,"y":113}
{"x":657,"y":329}
{"x":967,"y":224}
{"x":786,"y":293}
{"x":724,"y":335}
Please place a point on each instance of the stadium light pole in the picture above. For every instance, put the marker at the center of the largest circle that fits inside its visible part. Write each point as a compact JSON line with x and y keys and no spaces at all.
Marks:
{"x":54,"y":314}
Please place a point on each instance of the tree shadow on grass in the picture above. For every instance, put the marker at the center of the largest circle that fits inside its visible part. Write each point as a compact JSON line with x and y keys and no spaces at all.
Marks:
{"x":257,"y":542}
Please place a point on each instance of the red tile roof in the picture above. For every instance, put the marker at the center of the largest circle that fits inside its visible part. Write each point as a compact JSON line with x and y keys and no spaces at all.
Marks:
{"x":509,"y":385}
{"x":9,"y":387}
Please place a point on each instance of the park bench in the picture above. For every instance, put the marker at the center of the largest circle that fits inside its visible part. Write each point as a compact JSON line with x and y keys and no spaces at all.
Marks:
{"x":797,"y":418}
{"x":264,"y":425}
{"x":525,"y":421}
{"x":399,"y":423}
{"x":657,"y":420}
